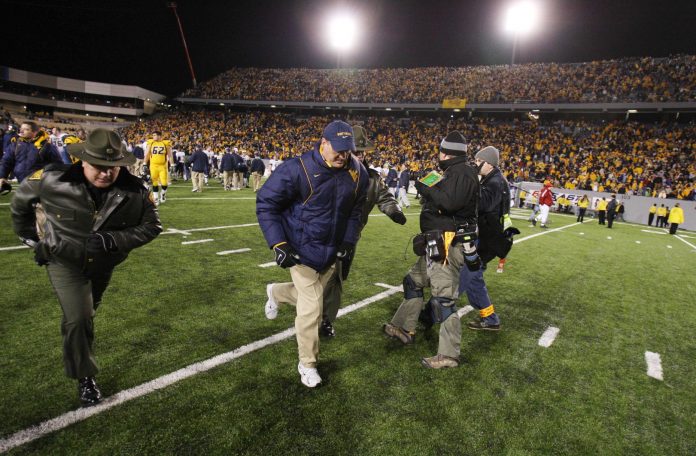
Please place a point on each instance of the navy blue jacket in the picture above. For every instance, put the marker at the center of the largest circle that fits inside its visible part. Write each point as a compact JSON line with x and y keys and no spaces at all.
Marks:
{"x":312,"y":207}
{"x":227,"y":163}
{"x":391,"y":178}
{"x":199,"y":162}
{"x":258,"y":166}
{"x":404,"y":179}
{"x":24,"y":157}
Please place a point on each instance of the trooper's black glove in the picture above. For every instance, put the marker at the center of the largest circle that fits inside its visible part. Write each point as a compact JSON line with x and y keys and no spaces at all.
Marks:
{"x":345,"y":254}
{"x":399,"y":218}
{"x":41,"y":253}
{"x":285,"y":255}
{"x":510,"y":232}
{"x":101,"y":241}
{"x":146,"y":170}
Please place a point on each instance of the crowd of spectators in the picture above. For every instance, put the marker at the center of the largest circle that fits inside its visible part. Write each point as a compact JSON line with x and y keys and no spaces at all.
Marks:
{"x":651,"y":159}
{"x":645,"y":79}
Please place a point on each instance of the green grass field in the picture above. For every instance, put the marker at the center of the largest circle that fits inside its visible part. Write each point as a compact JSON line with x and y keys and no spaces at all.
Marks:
{"x":171,"y":305}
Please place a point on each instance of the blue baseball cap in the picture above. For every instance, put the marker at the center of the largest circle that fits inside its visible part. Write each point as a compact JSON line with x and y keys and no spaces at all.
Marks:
{"x":340,"y":135}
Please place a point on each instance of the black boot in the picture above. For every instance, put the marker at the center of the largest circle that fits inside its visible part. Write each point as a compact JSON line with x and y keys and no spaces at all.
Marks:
{"x":326,"y":329}
{"x":88,"y":391}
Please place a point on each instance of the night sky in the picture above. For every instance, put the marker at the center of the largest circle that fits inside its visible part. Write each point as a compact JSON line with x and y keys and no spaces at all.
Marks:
{"x":138,"y":42}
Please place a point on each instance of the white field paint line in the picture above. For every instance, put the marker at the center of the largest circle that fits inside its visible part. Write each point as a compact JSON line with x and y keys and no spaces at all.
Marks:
{"x":389,"y":287}
{"x":654,"y":365}
{"x":581,"y":234}
{"x":669,"y":246}
{"x":637,"y":242}
{"x":75,"y":416}
{"x":384,"y":215}
{"x":685,"y":242}
{"x":548,"y":337}
{"x":685,"y":236}
{"x":464,"y":310}
{"x":268,"y":265}
{"x":653,"y":231}
{"x":209,"y":228}
{"x":4,"y":204}
{"x":229,"y":252}
{"x":531,"y":236}
{"x":16,"y":247}
{"x":175,"y":231}
{"x":200,"y":241}
{"x":609,"y":237}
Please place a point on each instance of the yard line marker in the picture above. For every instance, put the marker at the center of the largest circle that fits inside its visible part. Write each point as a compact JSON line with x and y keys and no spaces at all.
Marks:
{"x":582,"y":234}
{"x":16,"y":247}
{"x":209,"y":228}
{"x":669,"y":246}
{"x":229,"y":252}
{"x":531,"y":236}
{"x":389,"y":287}
{"x":197,"y":242}
{"x":685,"y":242}
{"x":653,"y":231}
{"x":464,"y":310}
{"x":684,"y":235}
{"x":609,"y":237}
{"x":81,"y":414}
{"x":268,"y":265}
{"x":548,"y":337}
{"x":637,"y":242}
{"x":654,"y":365}
{"x":4,"y":204}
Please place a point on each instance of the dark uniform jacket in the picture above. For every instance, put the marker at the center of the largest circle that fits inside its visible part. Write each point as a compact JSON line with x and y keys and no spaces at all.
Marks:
{"x":452,"y":201}
{"x":23,"y":158}
{"x":127,"y":213}
{"x":494,"y":203}
{"x":312,"y":207}
{"x":378,"y":194}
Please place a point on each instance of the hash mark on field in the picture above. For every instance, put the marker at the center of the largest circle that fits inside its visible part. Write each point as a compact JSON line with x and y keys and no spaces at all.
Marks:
{"x":229,"y":252}
{"x":669,"y":246}
{"x":549,"y":336}
{"x":268,"y":265}
{"x":209,"y":228}
{"x":681,"y":238}
{"x":531,"y":236}
{"x":609,"y":237}
{"x":200,"y":241}
{"x":81,"y":414}
{"x":654,"y":365}
{"x":637,"y":242}
{"x":16,"y":247}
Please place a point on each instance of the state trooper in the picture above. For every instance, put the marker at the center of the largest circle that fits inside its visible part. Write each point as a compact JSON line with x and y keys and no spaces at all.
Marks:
{"x":96,"y":213}
{"x":446,"y":243}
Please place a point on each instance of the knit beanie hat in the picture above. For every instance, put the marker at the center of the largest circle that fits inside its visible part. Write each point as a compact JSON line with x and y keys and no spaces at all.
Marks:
{"x":489,"y":154}
{"x":454,"y":144}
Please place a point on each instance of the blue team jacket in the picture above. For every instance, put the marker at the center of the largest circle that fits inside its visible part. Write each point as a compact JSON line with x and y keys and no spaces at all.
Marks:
{"x":312,"y":207}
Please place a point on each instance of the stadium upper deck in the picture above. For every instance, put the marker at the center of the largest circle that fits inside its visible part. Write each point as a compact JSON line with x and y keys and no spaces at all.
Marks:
{"x":645,"y":79}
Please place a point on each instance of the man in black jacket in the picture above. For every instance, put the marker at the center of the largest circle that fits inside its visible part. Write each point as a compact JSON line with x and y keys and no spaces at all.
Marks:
{"x":448,"y":227}
{"x":96,"y":213}
{"x":495,"y":236}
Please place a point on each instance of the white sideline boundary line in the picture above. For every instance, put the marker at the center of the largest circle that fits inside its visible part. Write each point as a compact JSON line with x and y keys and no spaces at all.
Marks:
{"x":549,"y":336}
{"x":200,"y":241}
{"x":16,"y":247}
{"x":653,"y":232}
{"x":60,"y":422}
{"x":229,"y":252}
{"x":268,"y":265}
{"x":654,"y":365}
{"x":685,"y":242}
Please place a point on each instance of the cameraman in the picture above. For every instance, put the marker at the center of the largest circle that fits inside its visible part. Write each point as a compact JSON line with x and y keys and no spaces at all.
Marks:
{"x":448,"y":227}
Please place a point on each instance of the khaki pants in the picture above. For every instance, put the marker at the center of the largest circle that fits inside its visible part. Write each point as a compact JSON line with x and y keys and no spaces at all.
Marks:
{"x":257,"y":180}
{"x":443,"y":280}
{"x":198,"y":180}
{"x":227,"y":179}
{"x":306,"y":293}
{"x":236,"y":179}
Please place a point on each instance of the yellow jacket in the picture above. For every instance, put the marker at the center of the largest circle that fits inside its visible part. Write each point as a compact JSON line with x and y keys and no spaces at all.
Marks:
{"x":653,"y":209}
{"x":661,"y":211}
{"x":602,"y":205}
{"x":676,"y":215}
{"x":583,"y":203}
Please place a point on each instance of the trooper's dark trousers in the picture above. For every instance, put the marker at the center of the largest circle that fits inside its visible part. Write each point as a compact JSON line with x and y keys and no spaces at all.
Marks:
{"x":79,"y":297}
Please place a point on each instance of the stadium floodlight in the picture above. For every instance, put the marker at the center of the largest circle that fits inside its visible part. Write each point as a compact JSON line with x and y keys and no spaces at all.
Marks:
{"x":521,"y":19}
{"x":342,"y":33}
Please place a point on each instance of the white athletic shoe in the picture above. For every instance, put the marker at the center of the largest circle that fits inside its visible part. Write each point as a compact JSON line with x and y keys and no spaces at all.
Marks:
{"x":499,"y":270}
{"x":309,"y":376}
{"x":157,"y":202}
{"x":163,"y":198}
{"x":271,"y":308}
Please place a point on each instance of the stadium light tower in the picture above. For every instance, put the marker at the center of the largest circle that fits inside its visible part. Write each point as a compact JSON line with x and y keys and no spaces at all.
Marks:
{"x":521,"y":19}
{"x":342,"y":33}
